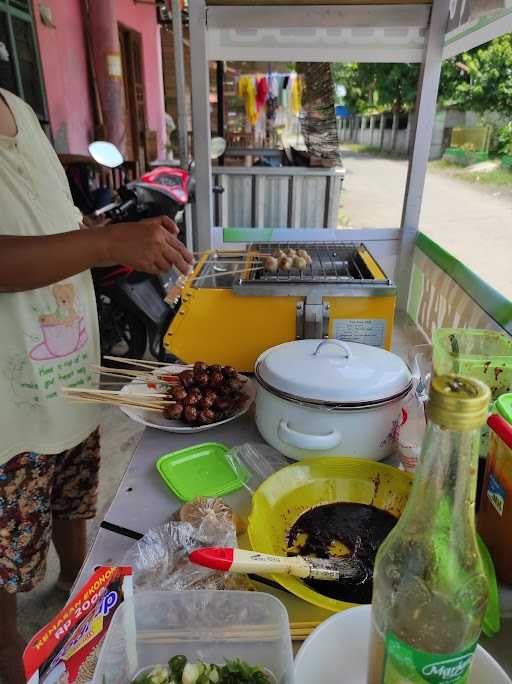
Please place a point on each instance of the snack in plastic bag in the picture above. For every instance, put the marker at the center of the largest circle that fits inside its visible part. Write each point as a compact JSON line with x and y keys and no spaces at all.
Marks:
{"x":160,"y":559}
{"x":66,"y":650}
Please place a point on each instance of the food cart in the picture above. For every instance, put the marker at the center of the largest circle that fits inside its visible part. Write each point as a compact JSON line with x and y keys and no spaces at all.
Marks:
{"x":434,"y":289}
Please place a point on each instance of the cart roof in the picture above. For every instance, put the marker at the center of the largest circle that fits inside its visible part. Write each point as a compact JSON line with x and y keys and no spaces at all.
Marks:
{"x":345,"y":30}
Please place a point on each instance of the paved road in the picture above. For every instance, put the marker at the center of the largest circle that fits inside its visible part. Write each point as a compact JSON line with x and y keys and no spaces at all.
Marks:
{"x":470,"y":222}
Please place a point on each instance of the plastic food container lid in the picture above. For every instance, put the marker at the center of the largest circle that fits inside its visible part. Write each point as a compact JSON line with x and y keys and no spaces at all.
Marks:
{"x":334,"y":371}
{"x":503,"y":406}
{"x":201,"y":470}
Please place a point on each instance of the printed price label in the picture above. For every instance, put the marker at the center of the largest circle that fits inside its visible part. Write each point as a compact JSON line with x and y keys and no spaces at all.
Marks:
{"x":370,"y":331}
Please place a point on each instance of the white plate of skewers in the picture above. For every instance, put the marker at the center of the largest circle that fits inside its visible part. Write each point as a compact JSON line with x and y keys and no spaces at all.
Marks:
{"x":172,"y":397}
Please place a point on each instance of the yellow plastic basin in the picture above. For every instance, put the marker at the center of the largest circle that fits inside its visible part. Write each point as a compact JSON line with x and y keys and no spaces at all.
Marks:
{"x":282,"y":498}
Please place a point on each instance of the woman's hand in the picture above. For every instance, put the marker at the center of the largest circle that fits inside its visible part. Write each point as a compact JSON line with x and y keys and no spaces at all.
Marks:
{"x":150,"y":245}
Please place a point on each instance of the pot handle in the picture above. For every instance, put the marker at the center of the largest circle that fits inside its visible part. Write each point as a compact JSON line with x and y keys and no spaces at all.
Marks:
{"x":338,"y":343}
{"x":300,"y":440}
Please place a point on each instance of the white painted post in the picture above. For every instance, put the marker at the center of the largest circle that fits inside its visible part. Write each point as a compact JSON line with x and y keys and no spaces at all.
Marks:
{"x":422,"y":135}
{"x":381,"y":131}
{"x":201,"y":124}
{"x":372,"y":127}
{"x":362,"y":131}
{"x":394,"y":132}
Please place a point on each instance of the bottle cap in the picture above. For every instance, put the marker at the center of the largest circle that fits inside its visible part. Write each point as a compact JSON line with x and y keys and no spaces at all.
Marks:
{"x":458,"y":403}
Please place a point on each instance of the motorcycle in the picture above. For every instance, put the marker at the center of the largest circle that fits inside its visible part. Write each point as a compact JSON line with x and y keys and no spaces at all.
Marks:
{"x":131,"y":305}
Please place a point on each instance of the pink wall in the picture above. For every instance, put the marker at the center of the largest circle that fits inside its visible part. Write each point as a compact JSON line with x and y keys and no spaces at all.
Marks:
{"x":142,"y":18}
{"x":63,"y":58}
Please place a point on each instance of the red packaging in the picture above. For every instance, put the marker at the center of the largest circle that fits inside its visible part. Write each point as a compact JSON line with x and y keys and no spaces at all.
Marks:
{"x":66,"y":650}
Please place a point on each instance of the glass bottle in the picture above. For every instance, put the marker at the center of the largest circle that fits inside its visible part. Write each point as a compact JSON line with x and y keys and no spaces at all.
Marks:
{"x":429,"y":587}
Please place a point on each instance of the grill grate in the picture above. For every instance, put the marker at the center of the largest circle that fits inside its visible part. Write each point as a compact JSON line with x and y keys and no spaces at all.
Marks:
{"x":331,"y":262}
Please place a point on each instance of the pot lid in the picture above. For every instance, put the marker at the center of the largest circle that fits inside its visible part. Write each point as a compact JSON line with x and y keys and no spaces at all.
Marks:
{"x":334,"y":371}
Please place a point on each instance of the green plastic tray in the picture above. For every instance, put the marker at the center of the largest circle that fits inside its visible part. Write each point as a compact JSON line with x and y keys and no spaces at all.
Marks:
{"x":201,"y":470}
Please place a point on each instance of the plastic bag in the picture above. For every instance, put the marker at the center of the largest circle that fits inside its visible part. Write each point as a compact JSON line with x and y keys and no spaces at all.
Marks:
{"x":412,"y":430}
{"x":160,"y":559}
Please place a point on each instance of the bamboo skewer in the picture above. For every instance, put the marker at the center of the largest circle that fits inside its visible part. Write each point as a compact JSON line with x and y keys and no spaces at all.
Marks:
{"x":138,"y":362}
{"x":146,"y":401}
{"x":113,"y":393}
{"x":226,"y":273}
{"x":133,"y":375}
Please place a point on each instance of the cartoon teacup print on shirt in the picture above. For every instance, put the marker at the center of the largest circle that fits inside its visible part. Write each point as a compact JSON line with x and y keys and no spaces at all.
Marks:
{"x":63,"y":330}
{"x":65,"y":313}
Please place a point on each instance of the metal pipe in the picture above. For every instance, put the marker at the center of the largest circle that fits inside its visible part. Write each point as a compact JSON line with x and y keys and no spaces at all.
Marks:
{"x":220,"y":104}
{"x":179,"y":68}
{"x":422,"y":135}
{"x":201,"y":124}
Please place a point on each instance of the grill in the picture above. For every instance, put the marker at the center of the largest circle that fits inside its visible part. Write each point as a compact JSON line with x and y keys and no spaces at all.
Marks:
{"x":343,"y":294}
{"x":331,"y":262}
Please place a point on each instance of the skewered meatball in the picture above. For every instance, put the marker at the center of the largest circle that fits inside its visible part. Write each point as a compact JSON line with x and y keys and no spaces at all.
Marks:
{"x":222,"y":404}
{"x":173,"y":411}
{"x":179,"y":393}
{"x":206,"y":417}
{"x":302,"y":253}
{"x":299,"y":263}
{"x":285,"y":263}
{"x":205,"y":403}
{"x":216,"y":379}
{"x":215,"y":369}
{"x":190,"y":414}
{"x":210,"y":394}
{"x":235,"y":384}
{"x":278,"y":253}
{"x":229,"y":371}
{"x":290,"y":252}
{"x":270,"y":264}
{"x":195,"y":391}
{"x":202,"y":379}
{"x":187,"y":378}
{"x":192,"y":400}
{"x":200,"y":367}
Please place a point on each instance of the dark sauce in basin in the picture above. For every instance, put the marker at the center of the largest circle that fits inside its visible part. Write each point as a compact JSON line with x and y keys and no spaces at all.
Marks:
{"x":357,"y":528}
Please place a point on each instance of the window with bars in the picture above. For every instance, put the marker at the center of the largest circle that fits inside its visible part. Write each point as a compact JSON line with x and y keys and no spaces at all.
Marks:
{"x":20,"y":69}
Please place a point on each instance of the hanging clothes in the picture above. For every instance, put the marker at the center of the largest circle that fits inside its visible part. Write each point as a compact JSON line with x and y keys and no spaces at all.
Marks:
{"x":261,"y":92}
{"x":247,"y":91}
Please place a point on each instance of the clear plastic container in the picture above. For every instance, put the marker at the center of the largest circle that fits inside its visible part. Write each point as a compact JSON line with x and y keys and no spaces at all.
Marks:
{"x":482,"y":354}
{"x":212,"y":626}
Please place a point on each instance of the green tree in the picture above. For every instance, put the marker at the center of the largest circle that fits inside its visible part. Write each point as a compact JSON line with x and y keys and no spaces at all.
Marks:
{"x":478,"y":80}
{"x":489,"y":83}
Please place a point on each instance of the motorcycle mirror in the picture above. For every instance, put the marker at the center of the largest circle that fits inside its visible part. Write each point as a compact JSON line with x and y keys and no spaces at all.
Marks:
{"x":106,"y":154}
{"x":218,"y":147}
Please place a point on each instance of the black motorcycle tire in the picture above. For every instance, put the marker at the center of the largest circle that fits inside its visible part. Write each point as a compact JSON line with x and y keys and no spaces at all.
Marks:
{"x":129,"y":330}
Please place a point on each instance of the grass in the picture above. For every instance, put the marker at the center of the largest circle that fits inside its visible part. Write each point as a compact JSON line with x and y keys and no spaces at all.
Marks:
{"x":367,"y":149}
{"x":498,"y":178}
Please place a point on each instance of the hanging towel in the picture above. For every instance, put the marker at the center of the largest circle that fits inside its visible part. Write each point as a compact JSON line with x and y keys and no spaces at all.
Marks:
{"x":295,"y":96}
{"x":247,"y":91}
{"x":261,"y":92}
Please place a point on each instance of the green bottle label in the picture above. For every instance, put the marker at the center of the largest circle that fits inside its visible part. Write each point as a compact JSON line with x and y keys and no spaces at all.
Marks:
{"x":405,"y":665}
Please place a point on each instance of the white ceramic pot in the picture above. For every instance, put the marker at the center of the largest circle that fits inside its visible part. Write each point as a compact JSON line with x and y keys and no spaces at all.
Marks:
{"x":326,"y":397}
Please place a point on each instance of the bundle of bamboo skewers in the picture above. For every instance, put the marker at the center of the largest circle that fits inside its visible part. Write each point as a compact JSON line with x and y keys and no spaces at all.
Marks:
{"x":151,"y":376}
{"x":244,"y":633}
